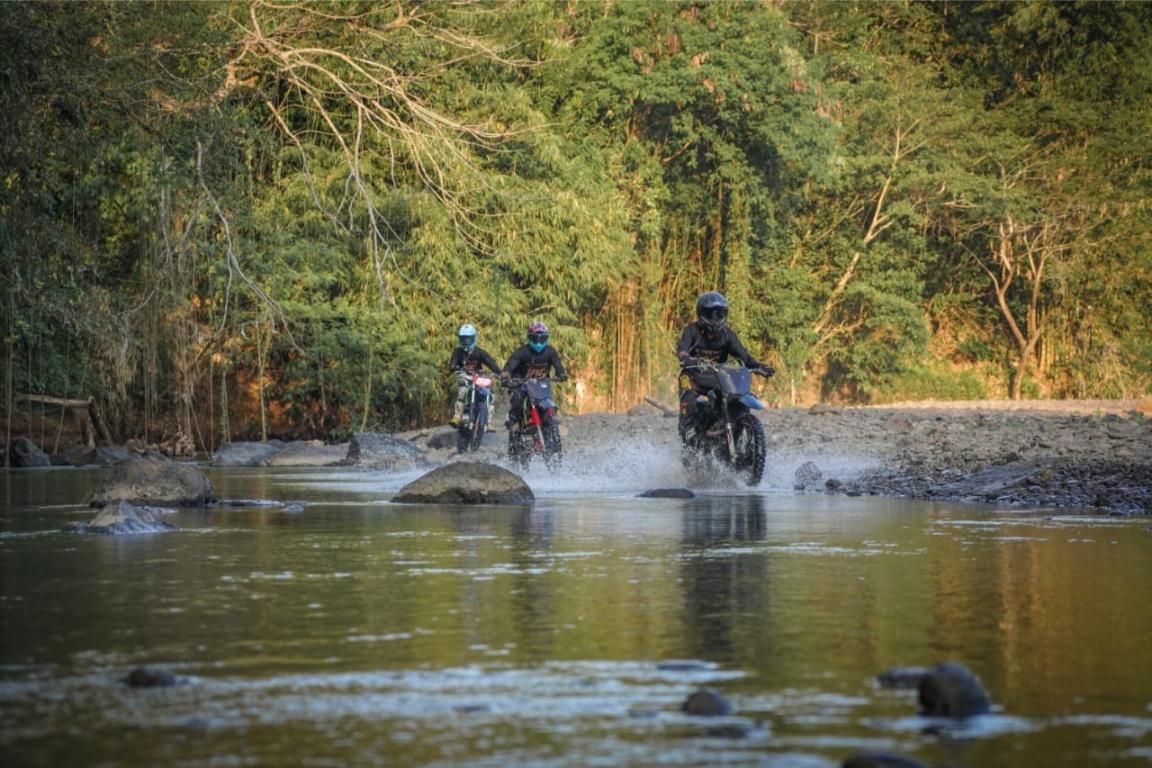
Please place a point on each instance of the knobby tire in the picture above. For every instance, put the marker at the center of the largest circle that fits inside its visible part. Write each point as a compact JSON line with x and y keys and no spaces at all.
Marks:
{"x":751,"y":448}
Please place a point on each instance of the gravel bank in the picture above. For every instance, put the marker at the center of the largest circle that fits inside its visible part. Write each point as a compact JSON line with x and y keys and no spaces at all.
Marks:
{"x":1082,"y":454}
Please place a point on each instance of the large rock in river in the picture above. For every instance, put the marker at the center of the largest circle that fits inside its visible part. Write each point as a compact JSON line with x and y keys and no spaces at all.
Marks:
{"x":22,"y":452}
{"x":153,"y":480}
{"x":467,"y":482}
{"x":951,"y":690}
{"x":379,"y":450}
{"x":246,"y":454}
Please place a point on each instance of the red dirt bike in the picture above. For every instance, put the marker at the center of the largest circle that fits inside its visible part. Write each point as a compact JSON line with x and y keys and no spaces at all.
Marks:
{"x":724,"y":428}
{"x":474,"y":423}
{"x":538,"y":432}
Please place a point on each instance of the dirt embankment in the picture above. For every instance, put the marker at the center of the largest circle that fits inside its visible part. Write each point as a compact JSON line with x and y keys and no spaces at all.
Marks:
{"x":1089,"y":454}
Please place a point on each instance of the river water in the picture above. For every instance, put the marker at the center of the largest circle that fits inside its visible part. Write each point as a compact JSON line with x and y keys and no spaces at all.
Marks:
{"x":362,"y":632}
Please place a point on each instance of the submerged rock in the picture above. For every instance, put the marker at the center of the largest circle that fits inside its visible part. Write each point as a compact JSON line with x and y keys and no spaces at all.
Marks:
{"x":668,"y":493}
{"x":707,"y":703}
{"x":150,"y":677}
{"x":153,"y":479}
{"x":880,"y":760}
{"x":467,"y":482}
{"x":683,"y":665}
{"x":122,"y":517}
{"x":950,"y":690}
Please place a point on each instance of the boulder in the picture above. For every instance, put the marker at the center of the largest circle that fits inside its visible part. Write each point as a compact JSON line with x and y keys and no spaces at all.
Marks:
{"x":808,"y":475}
{"x":22,"y":452}
{"x":379,"y":450}
{"x":246,"y":454}
{"x":153,"y":479}
{"x":121,"y":518}
{"x":83,"y":456}
{"x":707,"y":703}
{"x":444,"y":439}
{"x":467,"y":482}
{"x":950,"y":690}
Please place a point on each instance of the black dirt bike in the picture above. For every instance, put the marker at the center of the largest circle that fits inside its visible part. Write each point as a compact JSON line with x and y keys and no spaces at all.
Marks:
{"x":725,"y":429}
{"x":538,"y":432}
{"x":470,"y":433}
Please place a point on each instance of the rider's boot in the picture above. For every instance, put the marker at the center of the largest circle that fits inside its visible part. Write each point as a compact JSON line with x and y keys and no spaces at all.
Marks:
{"x":457,"y":413}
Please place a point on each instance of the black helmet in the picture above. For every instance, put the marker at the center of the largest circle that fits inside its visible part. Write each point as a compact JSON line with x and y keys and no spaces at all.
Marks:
{"x":712,"y":310}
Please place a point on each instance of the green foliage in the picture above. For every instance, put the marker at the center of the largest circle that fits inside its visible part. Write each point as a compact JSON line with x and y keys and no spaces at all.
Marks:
{"x":308,"y":200}
{"x":932,"y":380}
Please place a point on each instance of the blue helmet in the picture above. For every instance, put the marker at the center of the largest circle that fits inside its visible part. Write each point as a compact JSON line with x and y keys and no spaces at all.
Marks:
{"x":467,"y":337}
{"x":537,"y":336}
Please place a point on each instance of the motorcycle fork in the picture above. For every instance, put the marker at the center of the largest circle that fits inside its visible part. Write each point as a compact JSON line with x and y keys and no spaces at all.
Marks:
{"x":537,"y":423}
{"x":729,"y":438}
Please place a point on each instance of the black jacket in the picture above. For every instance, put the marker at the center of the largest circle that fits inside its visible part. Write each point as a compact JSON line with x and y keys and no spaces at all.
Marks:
{"x":471,"y":360}
{"x":526,"y":364}
{"x":697,"y":342}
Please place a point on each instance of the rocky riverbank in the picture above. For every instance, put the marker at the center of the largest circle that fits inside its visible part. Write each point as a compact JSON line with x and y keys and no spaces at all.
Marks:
{"x":1060,"y":454}
{"x":1050,"y":454}
{"x":1095,"y":456}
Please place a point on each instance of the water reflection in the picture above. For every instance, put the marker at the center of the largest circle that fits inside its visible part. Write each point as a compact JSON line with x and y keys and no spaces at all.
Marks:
{"x":363,"y":632}
{"x":723,"y":584}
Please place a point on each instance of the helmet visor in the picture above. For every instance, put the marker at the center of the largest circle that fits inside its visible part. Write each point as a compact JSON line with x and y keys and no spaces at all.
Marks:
{"x":714,"y":314}
{"x":467,"y":341}
{"x":538,"y":338}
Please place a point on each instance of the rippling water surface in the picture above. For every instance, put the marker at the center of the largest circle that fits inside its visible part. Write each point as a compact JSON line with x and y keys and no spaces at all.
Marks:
{"x":361,"y":632}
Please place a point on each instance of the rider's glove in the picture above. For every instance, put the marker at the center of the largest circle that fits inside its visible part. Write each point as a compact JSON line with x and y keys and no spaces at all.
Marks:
{"x":688,"y":362}
{"x":766,"y":371}
{"x":563,"y":377}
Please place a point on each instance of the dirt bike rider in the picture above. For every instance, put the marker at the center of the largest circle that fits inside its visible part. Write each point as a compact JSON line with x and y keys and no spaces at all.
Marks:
{"x":531,"y":361}
{"x":709,"y":339}
{"x":467,"y":360}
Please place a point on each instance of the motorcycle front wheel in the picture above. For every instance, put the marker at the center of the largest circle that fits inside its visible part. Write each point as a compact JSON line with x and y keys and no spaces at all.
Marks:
{"x":518,"y":454}
{"x":750,"y":449}
{"x":479,"y":425}
{"x":552,"y":446}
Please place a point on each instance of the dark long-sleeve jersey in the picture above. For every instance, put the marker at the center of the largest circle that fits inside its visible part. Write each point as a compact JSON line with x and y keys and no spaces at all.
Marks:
{"x":471,"y":360}
{"x":526,"y":364}
{"x":715,"y":347}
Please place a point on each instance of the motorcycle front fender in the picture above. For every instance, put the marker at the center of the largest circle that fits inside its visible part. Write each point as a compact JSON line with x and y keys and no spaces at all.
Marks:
{"x":751,"y":403}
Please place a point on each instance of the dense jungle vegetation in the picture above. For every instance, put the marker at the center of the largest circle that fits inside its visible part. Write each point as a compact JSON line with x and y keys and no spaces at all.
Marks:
{"x":246,"y":219}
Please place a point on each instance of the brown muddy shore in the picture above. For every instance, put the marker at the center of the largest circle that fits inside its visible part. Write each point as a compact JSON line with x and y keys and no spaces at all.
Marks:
{"x":1094,"y":455}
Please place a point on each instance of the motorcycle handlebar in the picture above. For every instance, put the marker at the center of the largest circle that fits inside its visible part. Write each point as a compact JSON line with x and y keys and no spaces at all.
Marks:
{"x":700,"y":365}
{"x":515,"y":382}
